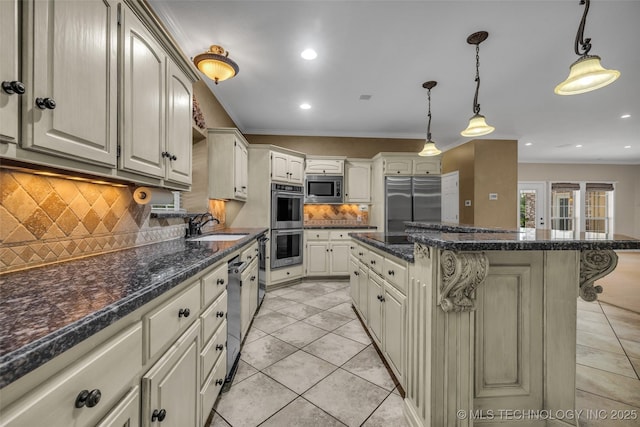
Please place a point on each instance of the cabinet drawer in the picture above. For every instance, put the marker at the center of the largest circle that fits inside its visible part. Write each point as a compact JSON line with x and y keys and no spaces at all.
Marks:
{"x":212,"y":350}
{"x":214,"y":283}
{"x":166,"y":322}
{"x":211,"y":389}
{"x":108,"y":369}
{"x":375,"y":262}
{"x":250,"y":253}
{"x":126,"y":413}
{"x":361,"y":253}
{"x":339,"y":234}
{"x":213,"y":316}
{"x":317,"y":234}
{"x":290,"y":273}
{"x":395,"y":274}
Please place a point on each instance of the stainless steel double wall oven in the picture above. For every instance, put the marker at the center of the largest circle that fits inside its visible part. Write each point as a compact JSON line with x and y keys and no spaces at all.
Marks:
{"x":287,"y":202}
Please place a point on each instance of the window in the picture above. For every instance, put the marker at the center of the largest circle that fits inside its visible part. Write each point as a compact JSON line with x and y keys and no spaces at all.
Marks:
{"x":563,"y":208}
{"x":598,"y":207}
{"x":593,"y":216}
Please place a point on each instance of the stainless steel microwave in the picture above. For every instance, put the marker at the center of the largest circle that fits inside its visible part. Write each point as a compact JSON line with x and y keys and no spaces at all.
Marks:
{"x":323,"y":189}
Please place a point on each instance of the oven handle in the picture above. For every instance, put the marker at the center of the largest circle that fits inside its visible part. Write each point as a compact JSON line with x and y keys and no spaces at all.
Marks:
{"x":296,"y":231}
{"x":288,"y":193}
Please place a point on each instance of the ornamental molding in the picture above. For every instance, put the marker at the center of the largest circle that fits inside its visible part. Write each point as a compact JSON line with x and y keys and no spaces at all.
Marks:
{"x":594,"y":265}
{"x":461,"y":274}
{"x":422,"y":251}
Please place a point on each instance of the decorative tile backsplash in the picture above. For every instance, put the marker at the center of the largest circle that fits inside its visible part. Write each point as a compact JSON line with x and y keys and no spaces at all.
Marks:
{"x":335,"y":215}
{"x":46,"y":219}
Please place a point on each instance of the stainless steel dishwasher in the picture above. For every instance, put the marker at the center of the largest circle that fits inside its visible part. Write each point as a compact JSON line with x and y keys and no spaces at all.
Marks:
{"x":236,"y":267}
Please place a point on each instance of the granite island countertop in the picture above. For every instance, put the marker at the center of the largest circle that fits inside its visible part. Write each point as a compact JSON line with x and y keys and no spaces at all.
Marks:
{"x":377,"y":240}
{"x":47,"y":310}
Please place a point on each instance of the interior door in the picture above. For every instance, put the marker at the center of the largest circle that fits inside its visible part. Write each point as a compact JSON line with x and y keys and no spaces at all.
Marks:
{"x":532,"y":204}
{"x":450,"y":197}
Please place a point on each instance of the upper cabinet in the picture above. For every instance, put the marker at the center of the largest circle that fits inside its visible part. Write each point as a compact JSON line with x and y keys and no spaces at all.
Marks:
{"x":324,"y":165}
{"x":69,"y":108}
{"x":358,"y":181}
{"x":394,"y":166}
{"x":228,"y":164}
{"x":11,"y":85}
{"x":106,"y":91}
{"x":406,"y":164}
{"x":287,"y":168}
{"x":426,"y":166}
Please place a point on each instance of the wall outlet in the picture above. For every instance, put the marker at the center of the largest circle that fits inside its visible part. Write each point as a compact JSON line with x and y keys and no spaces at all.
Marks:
{"x":467,"y":202}
{"x":493,"y":196}
{"x":363,"y":208}
{"x":359,"y":218}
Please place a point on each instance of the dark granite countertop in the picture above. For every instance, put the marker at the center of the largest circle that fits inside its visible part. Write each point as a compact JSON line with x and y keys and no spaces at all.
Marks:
{"x":47,"y":310}
{"x":340,"y":227}
{"x":377,"y":240}
{"x":411,"y":227}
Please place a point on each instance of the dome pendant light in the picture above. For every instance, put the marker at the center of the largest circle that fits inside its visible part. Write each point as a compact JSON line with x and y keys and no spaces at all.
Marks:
{"x":430,"y":148}
{"x":216,"y":64}
{"x":477,"y":124}
{"x":586,"y":74}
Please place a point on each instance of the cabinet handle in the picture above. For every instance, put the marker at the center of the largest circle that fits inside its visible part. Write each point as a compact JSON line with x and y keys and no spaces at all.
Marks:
{"x":184,"y":312}
{"x":88,"y":398}
{"x":373,"y":261}
{"x":252,"y":278}
{"x":351,"y":247}
{"x":219,"y":347}
{"x":220,"y":314}
{"x":356,"y":273}
{"x":288,"y":273}
{"x":360,"y":253}
{"x":13,"y":87}
{"x":249,"y":256}
{"x":45,"y":103}
{"x":379,"y":297}
{"x":220,"y":281}
{"x":219,"y":382}
{"x":169,"y":155}
{"x":391,"y":273}
{"x":327,"y":250}
{"x":330,"y":250}
{"x":173,"y":157}
{"x":158,"y":415}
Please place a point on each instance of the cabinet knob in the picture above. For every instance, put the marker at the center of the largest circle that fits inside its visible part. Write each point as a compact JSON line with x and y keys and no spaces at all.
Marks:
{"x":351,"y":247}
{"x":391,"y":273}
{"x":220,"y":281}
{"x":219,"y":381}
{"x":169,"y":155}
{"x":330,"y":250}
{"x":379,"y":297}
{"x":252,"y":278}
{"x":13,"y":87}
{"x":288,"y":273}
{"x":158,"y":415}
{"x":373,"y":261}
{"x":88,"y":398}
{"x":360,"y":253}
{"x":249,"y":256}
{"x":184,"y":312}
{"x":45,"y":103}
{"x":220,"y":314}
{"x":219,"y":347}
{"x":356,"y":273}
{"x":173,"y":157}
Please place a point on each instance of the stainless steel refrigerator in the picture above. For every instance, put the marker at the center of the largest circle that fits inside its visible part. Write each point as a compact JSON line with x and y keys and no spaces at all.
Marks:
{"x":411,"y":199}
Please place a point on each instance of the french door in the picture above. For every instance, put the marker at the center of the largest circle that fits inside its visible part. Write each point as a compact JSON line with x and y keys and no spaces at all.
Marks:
{"x":532,"y":197}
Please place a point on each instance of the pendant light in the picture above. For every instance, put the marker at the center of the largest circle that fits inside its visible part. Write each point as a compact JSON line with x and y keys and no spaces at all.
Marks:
{"x":215,"y":64}
{"x":430,"y":148}
{"x":586,"y":74}
{"x":477,"y":124}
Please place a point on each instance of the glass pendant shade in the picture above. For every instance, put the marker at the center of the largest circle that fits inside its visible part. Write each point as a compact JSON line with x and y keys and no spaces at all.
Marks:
{"x":477,"y":127}
{"x":585,"y":75}
{"x":216,"y":65}
{"x":429,"y":149}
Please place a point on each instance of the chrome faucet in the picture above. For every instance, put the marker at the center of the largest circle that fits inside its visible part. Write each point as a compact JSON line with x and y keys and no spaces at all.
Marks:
{"x":198,"y":221}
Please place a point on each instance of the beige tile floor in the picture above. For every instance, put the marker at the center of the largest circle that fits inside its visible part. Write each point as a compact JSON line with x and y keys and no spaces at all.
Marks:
{"x":308,"y":362}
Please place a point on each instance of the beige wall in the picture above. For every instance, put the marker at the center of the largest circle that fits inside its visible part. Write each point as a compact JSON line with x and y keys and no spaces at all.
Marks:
{"x":625,"y":177}
{"x":486,"y":166}
{"x":364,"y":148}
{"x":214,"y":115}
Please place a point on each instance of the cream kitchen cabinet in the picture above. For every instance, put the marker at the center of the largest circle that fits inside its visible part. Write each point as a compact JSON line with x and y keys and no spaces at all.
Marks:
{"x":358,"y":282}
{"x":426,"y":166}
{"x":228,"y":161}
{"x":170,"y":389}
{"x":11,"y":85}
{"x":397,"y":166}
{"x":324,"y":166}
{"x":126,"y":413}
{"x":248,"y":295}
{"x":404,"y":164}
{"x":375,"y":289}
{"x":156,"y":133}
{"x":327,"y":252}
{"x":358,"y":181}
{"x":287,"y":168}
{"x":70,"y":72}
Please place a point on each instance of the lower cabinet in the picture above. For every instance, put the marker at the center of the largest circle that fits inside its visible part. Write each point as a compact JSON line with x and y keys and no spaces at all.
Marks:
{"x":374,"y":301}
{"x":170,"y":387}
{"x":327,"y":252}
{"x":248,"y":295}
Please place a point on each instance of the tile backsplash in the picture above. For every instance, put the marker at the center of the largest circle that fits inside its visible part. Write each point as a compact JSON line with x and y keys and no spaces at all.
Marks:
{"x":335,"y":215}
{"x":46,"y":219}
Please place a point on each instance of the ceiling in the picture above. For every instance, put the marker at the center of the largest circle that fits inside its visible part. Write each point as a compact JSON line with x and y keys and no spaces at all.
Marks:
{"x":387,"y":49}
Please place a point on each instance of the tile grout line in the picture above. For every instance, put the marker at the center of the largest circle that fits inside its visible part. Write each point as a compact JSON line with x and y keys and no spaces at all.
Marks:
{"x":619,"y":342}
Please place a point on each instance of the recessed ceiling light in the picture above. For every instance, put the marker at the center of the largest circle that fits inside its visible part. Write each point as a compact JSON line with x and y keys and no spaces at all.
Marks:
{"x":625,"y":116}
{"x":528,"y":143}
{"x":309,"y":54}
{"x":627,"y":146}
{"x":305,"y":106}
{"x":579,"y":146}
{"x":365,"y":97}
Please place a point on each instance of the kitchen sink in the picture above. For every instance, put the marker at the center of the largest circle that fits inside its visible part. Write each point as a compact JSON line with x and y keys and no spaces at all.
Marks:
{"x":219,"y":238}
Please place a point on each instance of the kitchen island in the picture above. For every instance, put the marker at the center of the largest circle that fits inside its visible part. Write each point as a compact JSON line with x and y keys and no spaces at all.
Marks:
{"x":491,"y":323}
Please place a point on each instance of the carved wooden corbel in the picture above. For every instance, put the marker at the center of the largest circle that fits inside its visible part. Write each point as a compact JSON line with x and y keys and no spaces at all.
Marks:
{"x":422,"y":252}
{"x":462,"y":273}
{"x":594,"y":265}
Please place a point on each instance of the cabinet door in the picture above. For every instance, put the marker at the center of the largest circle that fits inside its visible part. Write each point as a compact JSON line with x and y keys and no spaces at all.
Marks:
{"x":240,"y":171}
{"x":253,"y":289}
{"x":71,"y":59}
{"x":358,"y":182}
{"x":375,"y":307}
{"x":126,"y":413}
{"x":398,"y":166}
{"x":279,"y":167}
{"x":354,"y":281}
{"x":143,"y":92}
{"x":424,"y":166}
{"x":179,"y":128}
{"x":363,"y":288}
{"x":247,"y":297}
{"x":171,"y":385}
{"x":317,"y":258}
{"x":9,"y":70}
{"x":324,"y":166}
{"x":296,"y":169}
{"x":394,"y":304}
{"x":339,"y":253}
